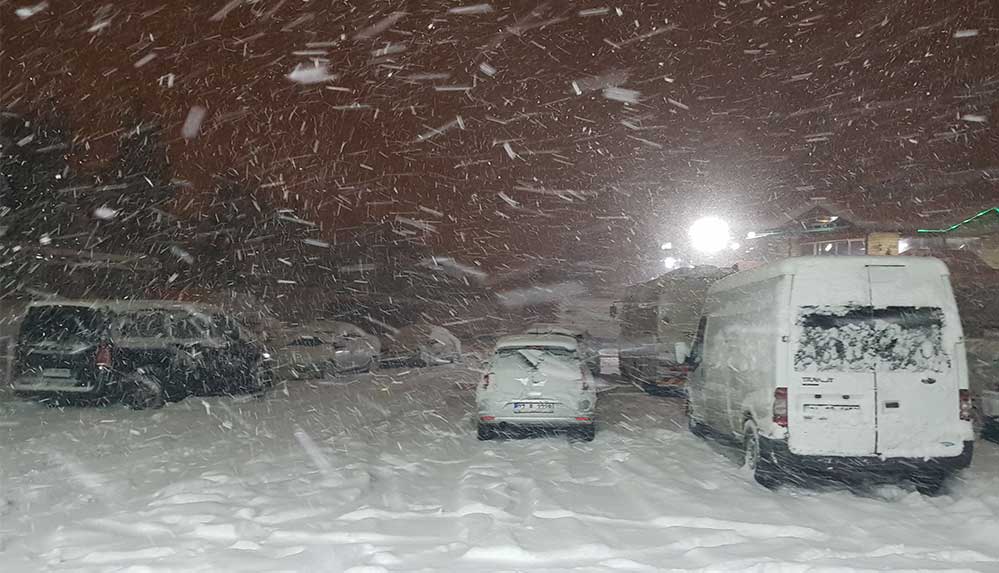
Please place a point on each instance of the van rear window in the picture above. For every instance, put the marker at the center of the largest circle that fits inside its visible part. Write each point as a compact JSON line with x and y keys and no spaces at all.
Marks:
{"x":60,"y":324}
{"x":864,"y":338}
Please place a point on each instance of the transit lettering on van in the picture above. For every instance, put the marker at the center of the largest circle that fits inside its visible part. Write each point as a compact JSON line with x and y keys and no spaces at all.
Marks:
{"x":842,"y":366}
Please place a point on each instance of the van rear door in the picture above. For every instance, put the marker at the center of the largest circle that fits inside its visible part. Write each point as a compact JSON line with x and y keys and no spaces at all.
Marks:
{"x":917,"y":371}
{"x":831,"y":402}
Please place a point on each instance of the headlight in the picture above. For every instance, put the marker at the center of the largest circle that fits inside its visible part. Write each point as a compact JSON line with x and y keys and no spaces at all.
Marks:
{"x":584,"y":405}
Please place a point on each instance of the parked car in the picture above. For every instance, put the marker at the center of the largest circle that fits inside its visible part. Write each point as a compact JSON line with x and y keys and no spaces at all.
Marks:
{"x":536,"y":381}
{"x":588,"y":352}
{"x":327,"y":348}
{"x":141,"y":353}
{"x":840,"y":366}
{"x":420,"y":345}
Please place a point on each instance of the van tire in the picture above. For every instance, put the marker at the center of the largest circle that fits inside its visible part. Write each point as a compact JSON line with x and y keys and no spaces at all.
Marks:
{"x":763,"y":470}
{"x":990,"y":430}
{"x":695,"y":427}
{"x":583,"y":433}
{"x":486,"y":433}
{"x":143,"y":390}
{"x":931,"y":484}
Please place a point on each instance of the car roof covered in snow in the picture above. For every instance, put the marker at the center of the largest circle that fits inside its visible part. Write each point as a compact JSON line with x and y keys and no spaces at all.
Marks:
{"x":828,"y":266}
{"x":536,"y":340}
{"x":544,"y":328}
{"x":131,"y":305}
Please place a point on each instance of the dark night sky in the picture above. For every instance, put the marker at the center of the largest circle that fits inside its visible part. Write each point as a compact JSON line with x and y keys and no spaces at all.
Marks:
{"x":738,"y":108}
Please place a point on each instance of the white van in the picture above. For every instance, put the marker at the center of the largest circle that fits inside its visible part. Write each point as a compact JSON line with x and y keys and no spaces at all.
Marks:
{"x":836,"y":365}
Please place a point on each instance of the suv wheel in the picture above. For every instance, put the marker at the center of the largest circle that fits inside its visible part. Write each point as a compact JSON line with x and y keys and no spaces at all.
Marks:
{"x":763,"y":471}
{"x":143,"y":390}
{"x":486,"y":432}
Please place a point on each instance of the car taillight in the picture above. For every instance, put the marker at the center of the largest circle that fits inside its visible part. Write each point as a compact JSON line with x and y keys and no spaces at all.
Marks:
{"x":780,"y":407}
{"x":103,"y":357}
{"x":965,"y":398}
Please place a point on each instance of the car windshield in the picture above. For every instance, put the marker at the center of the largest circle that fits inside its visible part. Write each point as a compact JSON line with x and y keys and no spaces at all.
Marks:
{"x":499,"y":285}
{"x":871,"y":339}
{"x":62,"y":324}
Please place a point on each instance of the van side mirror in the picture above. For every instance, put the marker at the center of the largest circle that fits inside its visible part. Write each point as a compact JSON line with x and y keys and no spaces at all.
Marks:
{"x":613,"y":311}
{"x":682,"y":351}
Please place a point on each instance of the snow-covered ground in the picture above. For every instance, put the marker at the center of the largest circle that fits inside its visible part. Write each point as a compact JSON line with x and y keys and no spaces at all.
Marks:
{"x":384,"y":472}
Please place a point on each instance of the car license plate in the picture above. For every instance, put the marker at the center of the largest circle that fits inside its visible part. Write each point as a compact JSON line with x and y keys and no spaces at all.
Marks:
{"x":533,"y":407}
{"x":56,"y":373}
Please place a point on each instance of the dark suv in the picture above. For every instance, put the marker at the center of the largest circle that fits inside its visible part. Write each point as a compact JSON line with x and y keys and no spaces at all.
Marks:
{"x":141,"y":353}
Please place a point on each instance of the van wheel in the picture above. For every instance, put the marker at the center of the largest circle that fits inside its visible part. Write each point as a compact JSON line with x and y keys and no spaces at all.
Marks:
{"x":930,"y":485}
{"x":695,"y":427}
{"x":990,"y":430}
{"x":763,"y":471}
{"x":583,"y":434}
{"x":486,"y":433}
{"x":143,"y":390}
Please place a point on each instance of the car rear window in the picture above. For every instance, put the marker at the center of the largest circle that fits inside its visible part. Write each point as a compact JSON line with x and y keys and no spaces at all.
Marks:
{"x":864,"y":338}
{"x":62,"y":324}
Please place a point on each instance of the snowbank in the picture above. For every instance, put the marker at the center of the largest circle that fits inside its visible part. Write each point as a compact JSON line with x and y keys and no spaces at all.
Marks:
{"x":384,"y":472}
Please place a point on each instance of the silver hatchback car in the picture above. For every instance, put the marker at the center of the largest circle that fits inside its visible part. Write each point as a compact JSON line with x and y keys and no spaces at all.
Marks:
{"x":536,"y":381}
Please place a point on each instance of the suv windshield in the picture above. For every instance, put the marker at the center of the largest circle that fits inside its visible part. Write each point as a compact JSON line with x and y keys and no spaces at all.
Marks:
{"x":863,"y":338}
{"x":61,"y":324}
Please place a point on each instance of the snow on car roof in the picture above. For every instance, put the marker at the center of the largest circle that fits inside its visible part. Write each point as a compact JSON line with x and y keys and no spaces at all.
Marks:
{"x":542,"y":340}
{"x":128,"y":305}
{"x":829,"y":266}
{"x":543,"y":328}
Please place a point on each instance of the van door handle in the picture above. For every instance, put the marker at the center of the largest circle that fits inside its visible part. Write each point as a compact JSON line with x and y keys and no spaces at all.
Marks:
{"x":891,"y":404}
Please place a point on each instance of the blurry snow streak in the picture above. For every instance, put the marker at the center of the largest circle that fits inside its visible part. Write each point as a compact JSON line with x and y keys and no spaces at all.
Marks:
{"x":384,"y":325}
{"x":182,"y":254}
{"x":974,"y":118}
{"x":594,"y":12}
{"x":312,"y":450}
{"x":26,"y":12}
{"x":677,"y":104}
{"x":316,"y":243}
{"x":421,"y":225}
{"x":105,"y":212}
{"x":540,"y":294}
{"x":487,"y":69}
{"x":308,"y":75}
{"x":145,"y":59}
{"x":232,"y":5}
{"x":603,"y":81}
{"x":452,"y":267}
{"x":965,"y":33}
{"x":509,"y":200}
{"x":380,"y":26}
{"x":192,"y":125}
{"x":621,"y":94}
{"x":473,"y":9}
{"x":434,"y":132}
{"x":509,"y":150}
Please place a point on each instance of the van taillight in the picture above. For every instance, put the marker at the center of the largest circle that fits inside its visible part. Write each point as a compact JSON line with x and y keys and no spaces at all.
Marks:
{"x":103,"y":357}
{"x":780,"y":407}
{"x":965,"y":397}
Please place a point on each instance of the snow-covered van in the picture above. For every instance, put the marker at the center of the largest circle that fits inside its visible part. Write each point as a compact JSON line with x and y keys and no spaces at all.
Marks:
{"x":836,"y":365}
{"x":536,"y":381}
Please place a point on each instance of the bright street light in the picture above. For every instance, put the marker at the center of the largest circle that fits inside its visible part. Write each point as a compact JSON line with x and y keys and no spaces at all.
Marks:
{"x":710,"y":235}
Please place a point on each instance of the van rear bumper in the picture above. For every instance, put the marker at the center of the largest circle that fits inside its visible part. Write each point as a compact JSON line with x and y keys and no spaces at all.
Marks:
{"x":778,"y":453}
